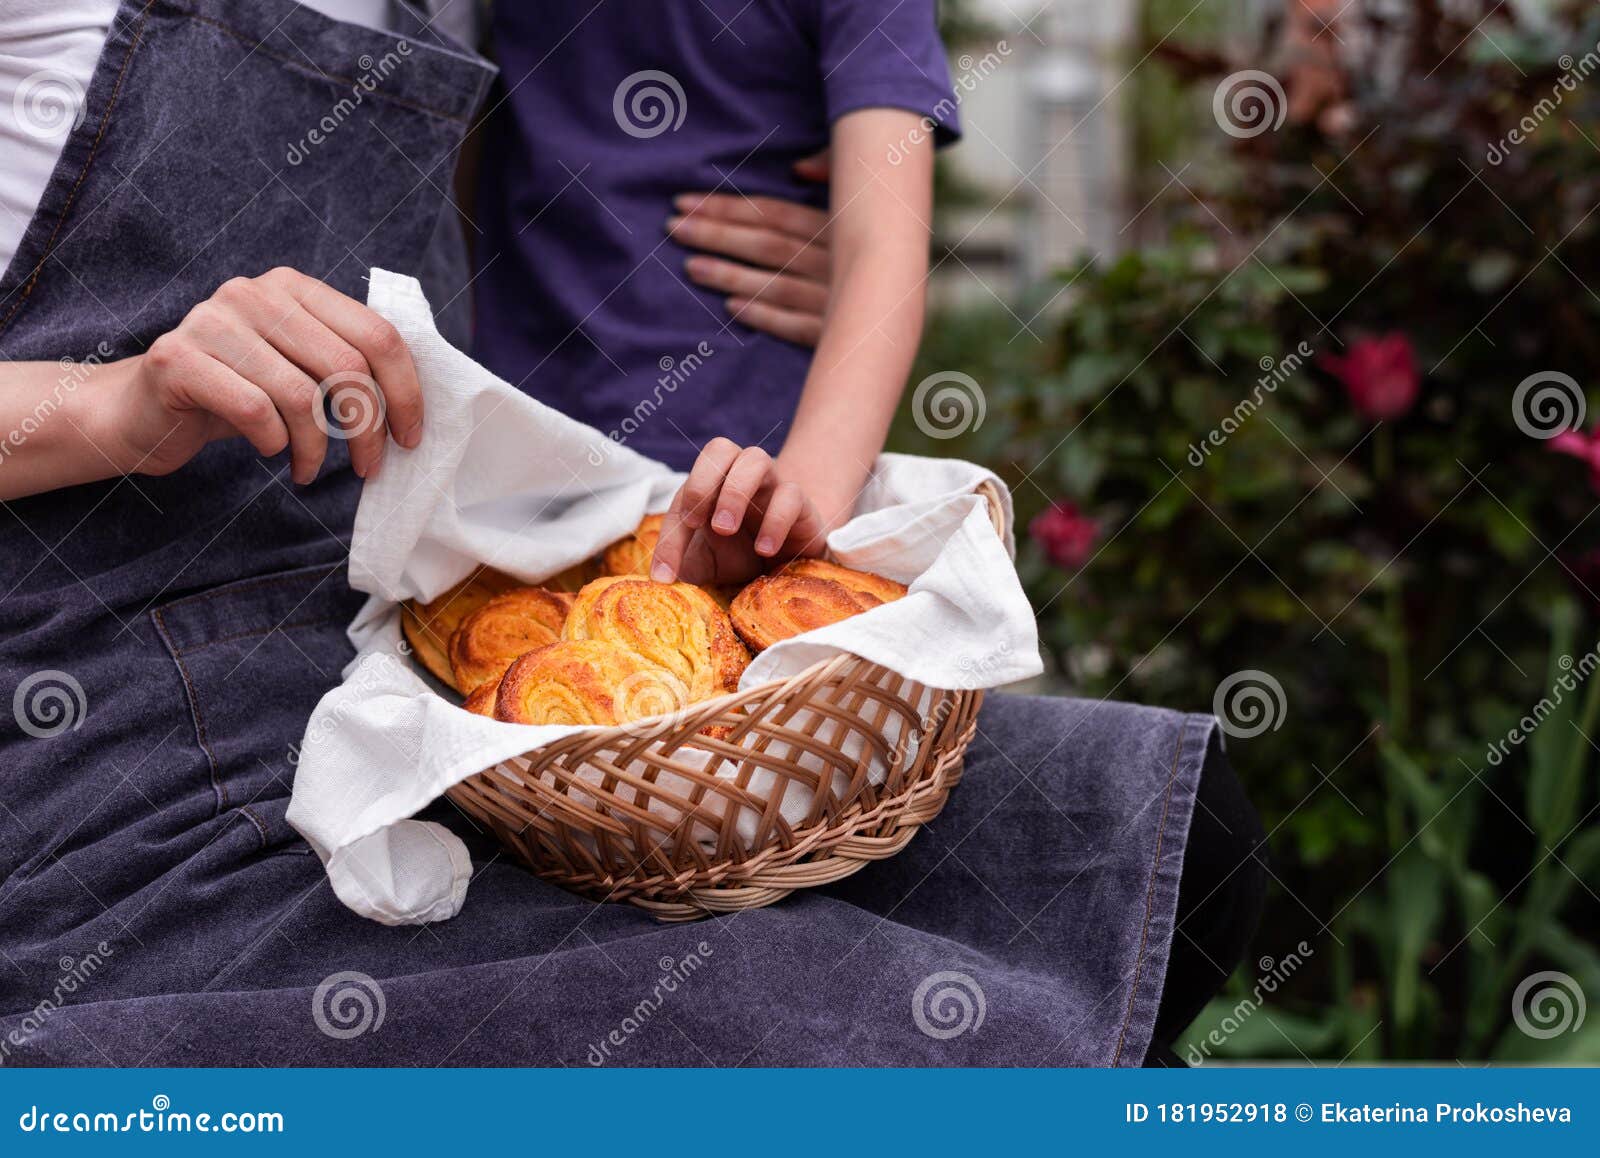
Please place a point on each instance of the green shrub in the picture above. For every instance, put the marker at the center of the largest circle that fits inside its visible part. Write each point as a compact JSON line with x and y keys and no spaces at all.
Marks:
{"x":1422,"y":588}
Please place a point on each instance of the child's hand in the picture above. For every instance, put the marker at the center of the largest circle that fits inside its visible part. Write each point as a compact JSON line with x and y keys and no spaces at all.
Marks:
{"x":732,"y":515}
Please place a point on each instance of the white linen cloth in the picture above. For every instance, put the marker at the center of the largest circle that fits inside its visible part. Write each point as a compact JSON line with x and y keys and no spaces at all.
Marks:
{"x":502,"y":479}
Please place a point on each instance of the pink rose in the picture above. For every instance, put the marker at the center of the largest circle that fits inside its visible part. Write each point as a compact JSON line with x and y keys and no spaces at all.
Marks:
{"x":1066,"y":535}
{"x":1379,"y":374}
{"x":1581,"y":446}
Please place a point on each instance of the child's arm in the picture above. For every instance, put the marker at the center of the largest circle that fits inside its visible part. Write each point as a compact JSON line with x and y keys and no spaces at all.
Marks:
{"x":739,"y":505}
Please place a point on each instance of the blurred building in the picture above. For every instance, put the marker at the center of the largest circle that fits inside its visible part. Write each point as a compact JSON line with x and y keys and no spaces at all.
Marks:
{"x":1042,"y":176}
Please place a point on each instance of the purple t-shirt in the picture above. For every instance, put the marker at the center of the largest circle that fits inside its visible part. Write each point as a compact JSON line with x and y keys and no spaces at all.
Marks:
{"x":607,"y":112}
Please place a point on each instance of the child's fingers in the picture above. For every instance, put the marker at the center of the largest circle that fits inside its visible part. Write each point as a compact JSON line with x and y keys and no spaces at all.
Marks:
{"x":691,"y":507}
{"x":784,"y":509}
{"x":747,"y":477}
{"x":700,"y":489}
{"x":673,"y":545}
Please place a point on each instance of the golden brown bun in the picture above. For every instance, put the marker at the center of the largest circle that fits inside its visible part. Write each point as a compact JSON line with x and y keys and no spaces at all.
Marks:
{"x":876,"y":588}
{"x":429,"y":626}
{"x":803,"y":596}
{"x":482,"y":701}
{"x":631,"y":556}
{"x":573,"y":578}
{"x":675,"y":626}
{"x":507,"y":626}
{"x":585,"y":681}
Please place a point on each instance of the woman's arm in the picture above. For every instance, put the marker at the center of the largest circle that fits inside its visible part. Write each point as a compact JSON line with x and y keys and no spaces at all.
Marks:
{"x":258,"y":359}
{"x":739,"y":506}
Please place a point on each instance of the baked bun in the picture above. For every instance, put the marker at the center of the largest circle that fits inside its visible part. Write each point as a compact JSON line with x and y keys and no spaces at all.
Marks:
{"x":631,"y":556}
{"x":505,"y":627}
{"x":586,"y":681}
{"x":803,"y":596}
{"x":429,"y":626}
{"x":675,"y":626}
{"x":481,"y":702}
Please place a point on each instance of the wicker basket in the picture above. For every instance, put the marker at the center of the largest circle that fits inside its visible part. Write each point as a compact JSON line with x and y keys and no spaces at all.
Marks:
{"x":817,"y":775}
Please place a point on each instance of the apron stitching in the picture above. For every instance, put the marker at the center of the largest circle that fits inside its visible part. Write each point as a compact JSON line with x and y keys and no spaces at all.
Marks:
{"x":94,"y":151}
{"x":194,"y":711}
{"x":294,"y":65}
{"x":251,"y":585}
{"x":1150,"y":893}
{"x":261,"y":829}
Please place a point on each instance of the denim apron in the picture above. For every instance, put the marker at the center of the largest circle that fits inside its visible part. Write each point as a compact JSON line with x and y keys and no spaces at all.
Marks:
{"x":163,"y":642}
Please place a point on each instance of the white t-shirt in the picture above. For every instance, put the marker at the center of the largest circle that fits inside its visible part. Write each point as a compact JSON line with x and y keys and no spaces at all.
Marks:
{"x":48,"y":50}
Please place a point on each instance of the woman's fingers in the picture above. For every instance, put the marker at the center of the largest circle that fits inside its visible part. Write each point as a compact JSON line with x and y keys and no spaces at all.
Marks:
{"x":762,"y":245}
{"x":243,"y":407}
{"x":380,"y":345}
{"x":749,"y":476}
{"x":299,"y":404}
{"x":691,"y":507}
{"x":343,"y":382}
{"x":798,"y":294}
{"x":769,"y":213}
{"x":817,"y":167}
{"x":803,"y":329}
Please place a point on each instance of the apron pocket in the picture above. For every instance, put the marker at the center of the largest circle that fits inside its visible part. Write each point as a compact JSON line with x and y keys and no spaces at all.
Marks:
{"x":255,"y":656}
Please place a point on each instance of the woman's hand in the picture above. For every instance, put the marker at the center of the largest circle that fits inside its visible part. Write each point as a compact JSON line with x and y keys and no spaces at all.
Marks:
{"x":778,"y":279}
{"x":257,"y":359}
{"x":732,"y":516}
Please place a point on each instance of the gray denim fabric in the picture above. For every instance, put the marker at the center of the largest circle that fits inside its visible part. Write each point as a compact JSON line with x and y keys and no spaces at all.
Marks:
{"x":155,"y":908}
{"x":1048,"y":885}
